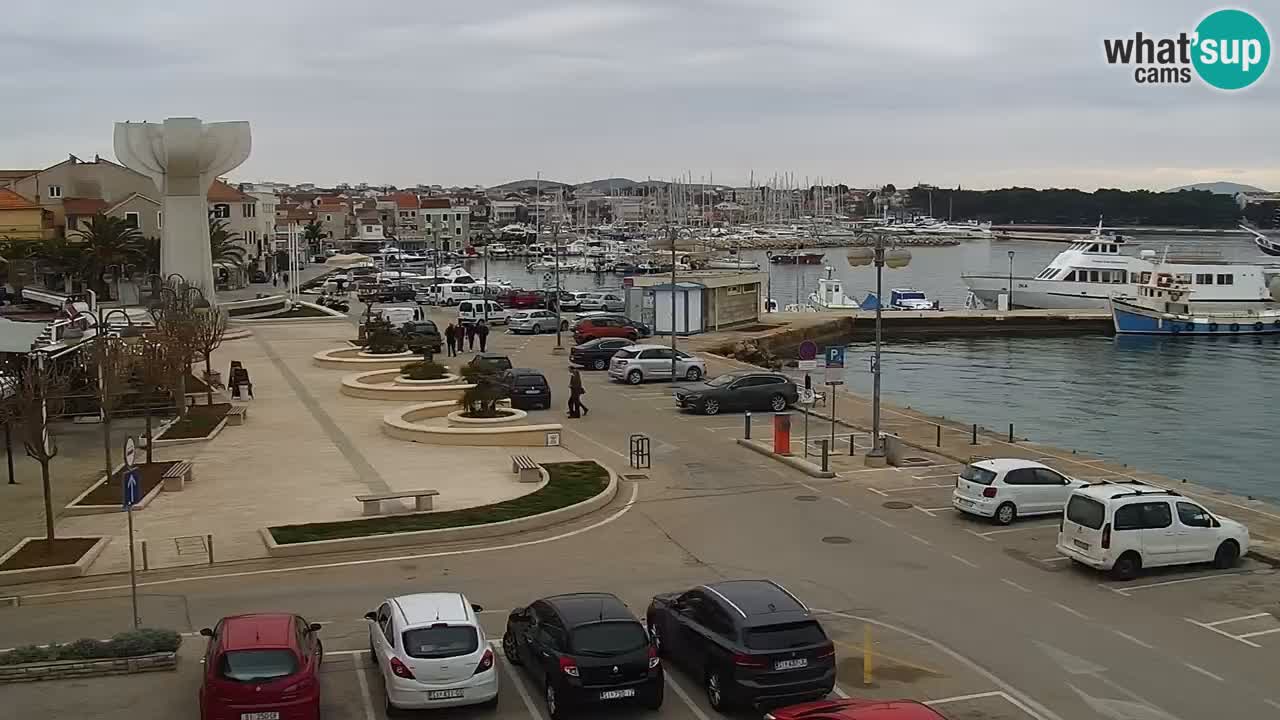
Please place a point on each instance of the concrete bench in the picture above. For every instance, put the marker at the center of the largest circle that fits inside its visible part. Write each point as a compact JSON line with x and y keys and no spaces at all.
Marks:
{"x":176,"y":476}
{"x":237,"y":414}
{"x":526,"y":468}
{"x":373,"y":503}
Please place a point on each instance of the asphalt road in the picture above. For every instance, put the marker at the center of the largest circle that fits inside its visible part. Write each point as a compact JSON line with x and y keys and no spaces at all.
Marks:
{"x":984,"y":621}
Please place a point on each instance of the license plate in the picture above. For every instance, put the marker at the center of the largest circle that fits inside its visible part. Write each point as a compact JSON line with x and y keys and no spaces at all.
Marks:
{"x":444,"y":694}
{"x":273,"y":715}
{"x":530,"y":392}
{"x":793,"y":664}
{"x":1080,"y":544}
{"x":616,"y":694}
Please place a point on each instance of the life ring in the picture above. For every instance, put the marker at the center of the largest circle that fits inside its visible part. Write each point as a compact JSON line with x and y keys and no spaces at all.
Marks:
{"x":1213,"y":327}
{"x":1235,"y":327}
{"x":1257,"y":327}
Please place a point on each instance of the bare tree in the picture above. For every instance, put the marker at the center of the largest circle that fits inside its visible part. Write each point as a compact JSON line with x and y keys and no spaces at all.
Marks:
{"x":209,"y":328}
{"x":176,"y":314}
{"x":157,"y":362}
{"x":34,"y":388}
{"x":112,"y":359}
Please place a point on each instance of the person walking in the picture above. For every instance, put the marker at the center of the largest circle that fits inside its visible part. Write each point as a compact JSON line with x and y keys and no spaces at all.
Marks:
{"x":482,"y":331}
{"x":451,"y":339}
{"x":471,"y":337}
{"x":275,"y":278}
{"x":576,"y":391}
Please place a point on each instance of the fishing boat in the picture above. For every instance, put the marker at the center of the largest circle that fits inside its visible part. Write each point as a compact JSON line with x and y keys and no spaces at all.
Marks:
{"x":1268,"y":246}
{"x":830,"y":294}
{"x":796,"y":257}
{"x":1162,"y":307}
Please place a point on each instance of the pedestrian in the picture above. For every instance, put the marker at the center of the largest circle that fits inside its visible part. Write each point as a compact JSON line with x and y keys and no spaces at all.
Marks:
{"x":576,"y":391}
{"x":483,"y":333}
{"x":451,"y":339}
{"x":275,"y":277}
{"x":284,"y":278}
{"x":471,"y":337}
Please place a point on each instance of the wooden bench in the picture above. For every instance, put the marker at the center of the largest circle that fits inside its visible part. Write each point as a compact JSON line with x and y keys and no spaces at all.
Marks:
{"x":237,"y":414}
{"x":373,"y":503}
{"x":176,"y":476}
{"x":526,"y":468}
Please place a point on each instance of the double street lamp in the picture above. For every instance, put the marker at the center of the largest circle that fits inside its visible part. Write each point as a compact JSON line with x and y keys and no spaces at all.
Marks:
{"x":879,"y":254}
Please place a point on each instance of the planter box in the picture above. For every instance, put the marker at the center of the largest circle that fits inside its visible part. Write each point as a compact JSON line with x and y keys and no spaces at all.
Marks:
{"x":72,"y":508}
{"x":161,"y":442}
{"x":51,"y":572}
{"x":63,"y":669}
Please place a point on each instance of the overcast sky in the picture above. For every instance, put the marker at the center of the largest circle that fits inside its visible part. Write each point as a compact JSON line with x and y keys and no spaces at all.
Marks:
{"x":982,"y":93}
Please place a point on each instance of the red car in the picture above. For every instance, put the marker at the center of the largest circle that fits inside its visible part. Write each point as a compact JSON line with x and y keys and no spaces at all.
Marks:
{"x":261,"y":667}
{"x":602,"y":327}
{"x":856,"y":709}
{"x":524,"y":299}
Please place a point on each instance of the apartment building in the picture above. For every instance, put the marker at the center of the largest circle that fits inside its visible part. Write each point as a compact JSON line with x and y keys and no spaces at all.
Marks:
{"x":444,"y":224}
{"x":81,"y":188}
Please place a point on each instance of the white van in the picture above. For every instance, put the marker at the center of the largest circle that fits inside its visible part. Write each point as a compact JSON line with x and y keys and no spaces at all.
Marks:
{"x":448,"y":293}
{"x":470,"y":311}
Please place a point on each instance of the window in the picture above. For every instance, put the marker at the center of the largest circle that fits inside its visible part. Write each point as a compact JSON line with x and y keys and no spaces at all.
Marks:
{"x":1144,"y":516}
{"x":249,"y":210}
{"x":457,"y":231}
{"x":1183,"y":278}
{"x":328,"y":218}
{"x":222,"y":211}
{"x":978,"y":475}
{"x":160,"y":220}
{"x":1071,"y":277}
{"x":368,"y":228}
{"x":609,"y":638}
{"x":250,"y":235}
{"x":384,"y":622}
{"x":55,"y":191}
{"x":1045,"y":476}
{"x":1193,"y":515}
{"x":1226,"y":279}
{"x":1146,"y":278}
{"x":1204,"y":278}
{"x":257,"y":665}
{"x":782,"y":637}
{"x":457,"y":217}
{"x":1085,"y":511}
{"x":133,"y":219}
{"x":1020,"y":476}
{"x":441,"y":641}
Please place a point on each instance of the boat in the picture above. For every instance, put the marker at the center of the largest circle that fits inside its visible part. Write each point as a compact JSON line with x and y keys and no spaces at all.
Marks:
{"x":1092,"y":270}
{"x":910,"y":299}
{"x":830,"y":294}
{"x":796,"y":257}
{"x":731,"y":263}
{"x":546,"y":262}
{"x":497,"y":250}
{"x":1268,"y":246}
{"x":1162,"y":307}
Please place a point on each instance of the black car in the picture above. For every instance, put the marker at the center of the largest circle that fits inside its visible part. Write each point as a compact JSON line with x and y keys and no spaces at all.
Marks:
{"x":595,"y":354}
{"x":741,"y":390}
{"x":395,"y":293}
{"x":497,"y":361}
{"x":584,"y":648}
{"x":527,"y":388}
{"x":750,"y":641}
{"x":421,"y":336}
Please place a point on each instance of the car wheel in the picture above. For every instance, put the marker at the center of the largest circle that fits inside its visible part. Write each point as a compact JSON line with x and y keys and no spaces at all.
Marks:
{"x":554,"y":710}
{"x":693,"y":373}
{"x":1005,"y":514}
{"x":654,"y":696}
{"x":509,"y":649}
{"x":537,"y":329}
{"x":715,"y":691}
{"x":599,"y":364}
{"x":1227,"y":555}
{"x":710,"y":407}
{"x":1127,"y":566}
{"x":634,"y":377}
{"x":778,"y":403}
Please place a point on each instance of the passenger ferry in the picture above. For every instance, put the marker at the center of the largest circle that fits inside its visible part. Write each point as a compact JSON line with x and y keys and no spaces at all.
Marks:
{"x":1162,"y":308}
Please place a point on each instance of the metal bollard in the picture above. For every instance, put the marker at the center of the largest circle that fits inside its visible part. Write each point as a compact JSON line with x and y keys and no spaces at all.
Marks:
{"x":974,"y":441}
{"x":939,"y":440}
{"x":145,"y":566}
{"x":1010,"y":432}
{"x":866,"y":655}
{"x":825,"y":457}
{"x":208,"y":539}
{"x":746,"y":420}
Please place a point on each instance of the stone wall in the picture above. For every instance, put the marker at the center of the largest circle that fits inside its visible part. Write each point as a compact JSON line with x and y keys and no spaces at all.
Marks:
{"x":87,"y":668}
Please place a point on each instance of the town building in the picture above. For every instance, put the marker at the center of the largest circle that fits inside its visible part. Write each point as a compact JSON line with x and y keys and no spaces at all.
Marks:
{"x":23,"y":220}
{"x":444,"y":224}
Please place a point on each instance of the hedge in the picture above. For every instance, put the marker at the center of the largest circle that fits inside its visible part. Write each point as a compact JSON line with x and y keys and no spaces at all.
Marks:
{"x":130,"y":643}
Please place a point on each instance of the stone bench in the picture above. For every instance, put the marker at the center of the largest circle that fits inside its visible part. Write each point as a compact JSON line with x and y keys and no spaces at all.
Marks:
{"x":237,"y":414}
{"x":526,"y":468}
{"x":373,"y":503}
{"x":177,"y":475}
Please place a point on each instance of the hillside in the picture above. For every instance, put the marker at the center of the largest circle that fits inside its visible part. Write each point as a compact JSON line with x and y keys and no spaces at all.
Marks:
{"x":1222,"y":188}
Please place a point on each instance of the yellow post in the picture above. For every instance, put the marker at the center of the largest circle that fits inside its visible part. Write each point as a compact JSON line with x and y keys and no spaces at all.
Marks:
{"x":866,"y":654}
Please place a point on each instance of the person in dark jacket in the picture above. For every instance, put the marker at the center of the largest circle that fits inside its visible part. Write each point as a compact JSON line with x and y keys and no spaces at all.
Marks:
{"x":471,"y":336}
{"x":576,"y":391}
{"x":482,"y":331}
{"x":451,"y":339}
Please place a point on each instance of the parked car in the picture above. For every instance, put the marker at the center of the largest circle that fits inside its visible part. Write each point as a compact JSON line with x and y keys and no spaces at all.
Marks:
{"x":856,"y":709}
{"x":582,"y":649}
{"x":432,"y":652}
{"x":638,"y":363}
{"x":259,"y":277}
{"x":449,"y":294}
{"x":642,"y":328}
{"x":609,"y":301}
{"x":1004,"y":488}
{"x":572,"y":300}
{"x":471,"y":311}
{"x":740,"y":390}
{"x":595,"y":354}
{"x":527,"y":388}
{"x":264,"y":666}
{"x":393,"y":293}
{"x":750,"y":641}
{"x":534,"y":321}
{"x":422,"y":335}
{"x":1124,"y":527}
{"x":523,"y":299}
{"x":606,"y":326}
{"x":498,"y":361}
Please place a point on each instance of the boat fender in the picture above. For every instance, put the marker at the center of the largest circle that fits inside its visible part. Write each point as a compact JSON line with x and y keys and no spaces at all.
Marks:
{"x":1213,"y":327}
{"x":1235,"y":327}
{"x":1257,"y":326}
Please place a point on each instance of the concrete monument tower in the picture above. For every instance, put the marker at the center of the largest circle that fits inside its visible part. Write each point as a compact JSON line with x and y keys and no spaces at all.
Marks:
{"x":184,"y":156}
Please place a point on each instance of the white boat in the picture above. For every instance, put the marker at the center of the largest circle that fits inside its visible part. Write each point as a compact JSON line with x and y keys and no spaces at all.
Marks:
{"x":830,"y":294}
{"x":1268,"y":245}
{"x":1161,"y":308}
{"x":731,"y":263}
{"x":497,"y":250}
{"x":546,"y":262}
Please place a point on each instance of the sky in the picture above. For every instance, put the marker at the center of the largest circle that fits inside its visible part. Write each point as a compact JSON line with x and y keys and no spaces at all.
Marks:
{"x":979,"y":93}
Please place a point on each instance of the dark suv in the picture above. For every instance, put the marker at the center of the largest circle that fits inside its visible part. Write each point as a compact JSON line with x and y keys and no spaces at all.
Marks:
{"x":422,"y":335}
{"x":751,"y":642}
{"x":584,"y":648}
{"x":527,"y":388}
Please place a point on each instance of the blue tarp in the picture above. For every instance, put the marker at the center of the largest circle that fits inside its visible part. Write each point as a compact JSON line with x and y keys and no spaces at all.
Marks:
{"x":870,"y":302}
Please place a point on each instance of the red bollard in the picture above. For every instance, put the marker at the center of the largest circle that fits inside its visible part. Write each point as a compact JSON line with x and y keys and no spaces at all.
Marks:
{"x":782,"y":433}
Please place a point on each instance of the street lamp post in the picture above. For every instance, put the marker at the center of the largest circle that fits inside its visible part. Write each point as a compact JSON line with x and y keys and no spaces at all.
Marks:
{"x":555,"y":251}
{"x":1010,"y":289}
{"x":673,"y":305}
{"x":485,"y":250}
{"x":880,"y":256}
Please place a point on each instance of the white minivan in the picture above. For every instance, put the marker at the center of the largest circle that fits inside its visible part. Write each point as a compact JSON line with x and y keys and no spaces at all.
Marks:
{"x":447,"y":293}
{"x":1126,"y":526}
{"x":471,"y":311}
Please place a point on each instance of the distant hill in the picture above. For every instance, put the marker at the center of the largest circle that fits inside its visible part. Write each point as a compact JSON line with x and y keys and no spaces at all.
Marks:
{"x":1222,"y":188}
{"x":607,"y":184}
{"x":519,"y":185}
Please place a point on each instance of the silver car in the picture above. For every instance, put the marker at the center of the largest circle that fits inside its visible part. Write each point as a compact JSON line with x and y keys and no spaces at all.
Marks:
{"x":534,"y":321}
{"x":638,"y":363}
{"x":607,"y":301}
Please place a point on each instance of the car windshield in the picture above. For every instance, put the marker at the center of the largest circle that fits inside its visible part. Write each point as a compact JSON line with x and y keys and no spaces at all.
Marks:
{"x":1085,"y":511}
{"x":783,"y":637}
{"x":258,"y":665}
{"x":978,"y":475}
{"x":609,"y":638}
{"x":441,"y":641}
{"x":722,"y":380}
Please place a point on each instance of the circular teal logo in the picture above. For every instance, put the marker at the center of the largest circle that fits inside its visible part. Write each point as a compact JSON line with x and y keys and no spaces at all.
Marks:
{"x":1231,"y":49}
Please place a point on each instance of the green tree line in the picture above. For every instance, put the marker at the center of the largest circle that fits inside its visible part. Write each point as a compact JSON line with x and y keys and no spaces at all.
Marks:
{"x":1187,"y":208}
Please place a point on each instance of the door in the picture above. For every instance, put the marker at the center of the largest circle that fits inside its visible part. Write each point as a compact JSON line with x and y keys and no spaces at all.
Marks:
{"x":1024,"y":490}
{"x":1052,"y":490}
{"x":656,"y":362}
{"x":690,"y":611}
{"x":383,"y":639}
{"x":1151,"y":525}
{"x":1197,"y":538}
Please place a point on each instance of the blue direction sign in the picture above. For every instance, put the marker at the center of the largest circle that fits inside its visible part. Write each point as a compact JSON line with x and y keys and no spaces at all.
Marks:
{"x":130,"y":488}
{"x":835,"y":356}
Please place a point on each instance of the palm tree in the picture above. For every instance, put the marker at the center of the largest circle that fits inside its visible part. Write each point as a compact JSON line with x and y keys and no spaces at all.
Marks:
{"x":104,"y":242}
{"x":313,"y":233}
{"x":224,"y":244}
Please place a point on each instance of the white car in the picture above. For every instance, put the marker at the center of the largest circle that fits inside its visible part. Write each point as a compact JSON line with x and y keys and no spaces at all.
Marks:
{"x":610,"y":301}
{"x":572,"y":300}
{"x":637,"y":363}
{"x":1124,"y":527}
{"x":432,"y":652}
{"x":473,"y":311}
{"x":1005,"y":488}
{"x":534,"y":321}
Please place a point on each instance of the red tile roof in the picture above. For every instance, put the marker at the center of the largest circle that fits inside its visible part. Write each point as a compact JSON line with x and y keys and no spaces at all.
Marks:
{"x":222,"y":192}
{"x":10,"y":200}
{"x":427,"y":203}
{"x":405,"y":200}
{"x":83,"y":206}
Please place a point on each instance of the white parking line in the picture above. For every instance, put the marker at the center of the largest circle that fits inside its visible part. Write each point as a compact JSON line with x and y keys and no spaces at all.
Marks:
{"x":842,"y":501}
{"x":1238,"y":619}
{"x":913,"y":487}
{"x":1013,"y":584}
{"x":883,"y":522}
{"x":966,"y":562}
{"x":684,"y":695}
{"x":1071,"y":610}
{"x":934,"y":477}
{"x":978,"y":534}
{"x":1058,"y":558}
{"x":1260,"y":632}
{"x":1272,"y":703}
{"x":1130,"y":588}
{"x":369,"y":712}
{"x":1020,"y":528}
{"x":1223,"y":633}
{"x":919,"y":539}
{"x":1204,"y":672}
{"x":839,"y":692}
{"x":1133,"y":639}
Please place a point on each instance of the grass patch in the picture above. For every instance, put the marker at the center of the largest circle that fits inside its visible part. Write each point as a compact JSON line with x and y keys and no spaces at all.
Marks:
{"x":570,"y":483}
{"x":112,"y":492}
{"x":199,"y":422}
{"x":42,"y":553}
{"x":131,"y":643}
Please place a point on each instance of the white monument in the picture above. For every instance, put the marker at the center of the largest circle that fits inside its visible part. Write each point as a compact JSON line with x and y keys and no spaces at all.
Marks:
{"x":184,"y":156}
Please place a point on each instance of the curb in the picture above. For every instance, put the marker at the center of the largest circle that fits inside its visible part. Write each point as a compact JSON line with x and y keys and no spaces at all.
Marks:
{"x":803,"y":466}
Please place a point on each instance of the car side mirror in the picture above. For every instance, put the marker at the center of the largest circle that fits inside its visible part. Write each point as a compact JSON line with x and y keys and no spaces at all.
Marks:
{"x":313,"y":627}
{"x":371,"y":615}
{"x":207,"y":632}
{"x":476,"y":608}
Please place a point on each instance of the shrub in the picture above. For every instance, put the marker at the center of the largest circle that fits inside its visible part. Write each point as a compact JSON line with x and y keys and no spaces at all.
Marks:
{"x":83,"y":649}
{"x":424,"y":370}
{"x":130,"y":643}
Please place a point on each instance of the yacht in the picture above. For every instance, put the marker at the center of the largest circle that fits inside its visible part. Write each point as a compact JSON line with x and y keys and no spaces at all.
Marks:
{"x":1089,"y":272}
{"x":497,"y":250}
{"x":1268,"y":245}
{"x":796,"y":257}
{"x":546,"y":262}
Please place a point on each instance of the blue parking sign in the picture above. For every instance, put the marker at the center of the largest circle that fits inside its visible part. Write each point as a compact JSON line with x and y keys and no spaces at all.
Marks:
{"x":835,"y":356}
{"x":130,"y":488}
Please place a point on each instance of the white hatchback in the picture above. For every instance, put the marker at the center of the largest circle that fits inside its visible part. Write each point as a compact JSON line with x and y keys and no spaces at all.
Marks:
{"x":432,"y":652}
{"x":1005,"y":488}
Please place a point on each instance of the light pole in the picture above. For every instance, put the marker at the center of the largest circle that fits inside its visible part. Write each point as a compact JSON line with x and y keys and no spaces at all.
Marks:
{"x":1010,"y":290}
{"x":673,"y":305}
{"x":555,"y":251}
{"x":879,"y":255}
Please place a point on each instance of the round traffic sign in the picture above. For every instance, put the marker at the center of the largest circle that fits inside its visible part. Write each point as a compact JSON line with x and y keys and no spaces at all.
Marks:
{"x":808,"y":350}
{"x":130,"y":451}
